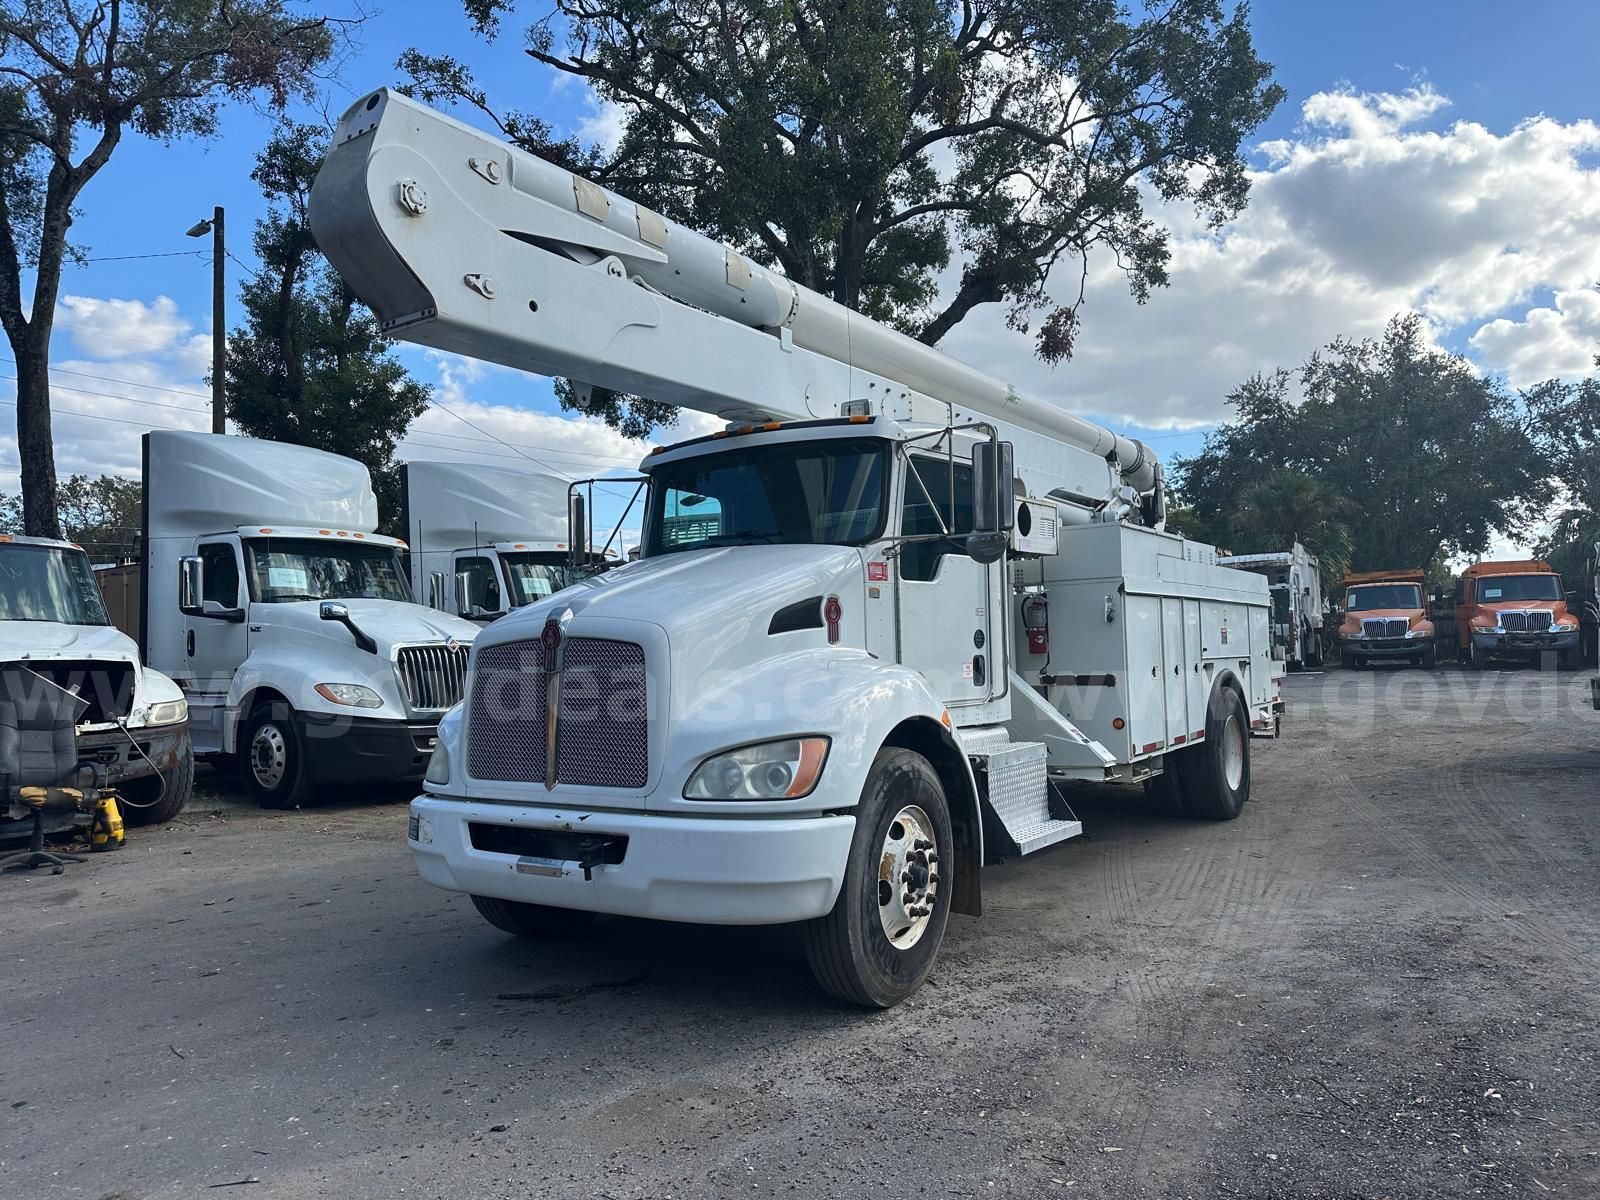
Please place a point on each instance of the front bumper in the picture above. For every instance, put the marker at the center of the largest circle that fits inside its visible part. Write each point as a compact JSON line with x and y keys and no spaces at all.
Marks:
{"x":342,"y":749}
{"x":1523,"y":644}
{"x":704,"y":870}
{"x":113,"y":750}
{"x":1386,"y":647}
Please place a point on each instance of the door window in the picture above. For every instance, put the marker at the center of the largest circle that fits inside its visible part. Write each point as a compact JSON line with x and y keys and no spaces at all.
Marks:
{"x":220,"y":574}
{"x":483,"y":583}
{"x":920,"y":560}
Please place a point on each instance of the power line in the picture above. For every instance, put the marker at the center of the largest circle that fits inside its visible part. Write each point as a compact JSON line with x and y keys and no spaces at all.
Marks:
{"x":489,"y":435}
{"x":128,"y":399}
{"x":70,"y":412}
{"x":155,"y":387}
{"x":131,"y":257}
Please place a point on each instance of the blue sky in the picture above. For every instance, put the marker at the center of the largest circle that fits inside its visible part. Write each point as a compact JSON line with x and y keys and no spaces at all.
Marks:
{"x":1395,"y":175}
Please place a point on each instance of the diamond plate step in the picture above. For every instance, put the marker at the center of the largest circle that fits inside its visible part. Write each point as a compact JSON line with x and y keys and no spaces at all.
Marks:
{"x":1018,"y":793}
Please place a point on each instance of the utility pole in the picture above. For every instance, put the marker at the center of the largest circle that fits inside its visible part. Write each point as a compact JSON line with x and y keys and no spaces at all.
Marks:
{"x":219,"y":331}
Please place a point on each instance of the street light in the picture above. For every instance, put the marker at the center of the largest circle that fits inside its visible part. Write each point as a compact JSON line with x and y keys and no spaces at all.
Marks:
{"x":219,"y":339}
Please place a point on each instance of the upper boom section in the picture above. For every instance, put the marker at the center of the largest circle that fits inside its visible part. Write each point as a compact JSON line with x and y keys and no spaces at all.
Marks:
{"x":460,"y":241}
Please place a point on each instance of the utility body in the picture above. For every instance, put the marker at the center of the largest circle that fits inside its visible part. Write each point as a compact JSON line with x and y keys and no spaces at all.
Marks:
{"x":1294,"y":577}
{"x":135,"y":727}
{"x":1385,"y":618}
{"x":1515,"y":610}
{"x":875,"y":625}
{"x":485,"y":540}
{"x":286,"y":618}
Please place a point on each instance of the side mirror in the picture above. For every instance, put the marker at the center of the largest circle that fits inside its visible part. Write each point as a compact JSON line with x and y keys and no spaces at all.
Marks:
{"x":191,"y":585}
{"x":463,"y":594}
{"x":577,"y":530}
{"x":436,"y":592}
{"x":332,"y":610}
{"x":994,"y":500}
{"x":987,"y":547}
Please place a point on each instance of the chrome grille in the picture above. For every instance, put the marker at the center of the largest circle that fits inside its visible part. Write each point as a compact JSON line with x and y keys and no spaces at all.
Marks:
{"x":432,"y":677}
{"x":1535,"y":621}
{"x":1385,"y":627}
{"x":603,"y":728}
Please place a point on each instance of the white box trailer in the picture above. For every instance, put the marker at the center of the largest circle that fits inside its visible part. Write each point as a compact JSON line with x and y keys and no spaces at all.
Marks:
{"x":286,"y":618}
{"x":487,"y":539}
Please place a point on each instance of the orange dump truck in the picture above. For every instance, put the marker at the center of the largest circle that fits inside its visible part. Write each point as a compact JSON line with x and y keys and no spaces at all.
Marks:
{"x":1515,"y":610}
{"x":1385,"y":617}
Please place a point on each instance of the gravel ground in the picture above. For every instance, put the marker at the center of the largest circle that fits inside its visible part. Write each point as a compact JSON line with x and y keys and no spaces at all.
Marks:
{"x":1382,"y":981}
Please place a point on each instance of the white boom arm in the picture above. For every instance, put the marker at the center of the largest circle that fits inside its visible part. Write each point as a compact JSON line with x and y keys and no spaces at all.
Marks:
{"x":462,"y":242}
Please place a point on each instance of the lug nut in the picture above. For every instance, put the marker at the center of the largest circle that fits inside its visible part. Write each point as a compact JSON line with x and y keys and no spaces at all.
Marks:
{"x":933,"y":858}
{"x":905,"y":876}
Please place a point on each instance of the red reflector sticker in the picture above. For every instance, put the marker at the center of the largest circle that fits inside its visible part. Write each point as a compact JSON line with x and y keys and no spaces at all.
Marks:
{"x":1180,"y":739}
{"x":1151,"y":748}
{"x":1198,"y":737}
{"x":877,"y":572}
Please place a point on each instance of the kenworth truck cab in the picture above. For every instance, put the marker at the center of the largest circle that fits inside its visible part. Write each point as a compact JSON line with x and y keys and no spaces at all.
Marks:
{"x":287,"y":619}
{"x":135,"y":727}
{"x":487,"y":539}
{"x":877,"y":626}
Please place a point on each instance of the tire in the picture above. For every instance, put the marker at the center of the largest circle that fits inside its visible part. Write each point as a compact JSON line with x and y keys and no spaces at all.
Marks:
{"x":1166,"y":791}
{"x":1478,"y":662}
{"x":1429,"y":656}
{"x":272,"y":759}
{"x":1570,"y":660}
{"x":855,"y":952}
{"x":1314,"y":657}
{"x":1217,"y":773}
{"x":146,"y":802}
{"x":1351,"y":662}
{"x":532,"y":921}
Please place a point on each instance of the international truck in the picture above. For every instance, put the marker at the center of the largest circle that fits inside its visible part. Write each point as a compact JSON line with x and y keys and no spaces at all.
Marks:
{"x":1294,"y":578}
{"x":134,"y":727}
{"x":267,"y":593}
{"x":487,"y":539}
{"x":1515,"y":610}
{"x":879,"y":623}
{"x":1385,"y":619}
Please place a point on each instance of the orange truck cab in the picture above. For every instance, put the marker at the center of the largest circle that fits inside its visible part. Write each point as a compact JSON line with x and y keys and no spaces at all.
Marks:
{"x":1514,"y":610}
{"x":1385,"y":617}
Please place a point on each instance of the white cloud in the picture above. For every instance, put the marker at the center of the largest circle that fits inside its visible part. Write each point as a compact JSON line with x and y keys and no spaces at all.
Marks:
{"x":602,"y":123}
{"x":109,"y":329}
{"x":1361,"y":214}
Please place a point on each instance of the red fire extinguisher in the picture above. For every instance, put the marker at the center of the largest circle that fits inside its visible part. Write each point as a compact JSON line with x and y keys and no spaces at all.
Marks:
{"x":1036,"y":620}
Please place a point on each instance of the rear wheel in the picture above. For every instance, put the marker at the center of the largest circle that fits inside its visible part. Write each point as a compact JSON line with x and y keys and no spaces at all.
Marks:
{"x":881,"y":939}
{"x":532,"y":921}
{"x":1217,"y":773}
{"x":273,"y":759}
{"x":154,"y":800}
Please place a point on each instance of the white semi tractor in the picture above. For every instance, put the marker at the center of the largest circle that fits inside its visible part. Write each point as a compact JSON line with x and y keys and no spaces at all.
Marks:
{"x":487,"y":539}
{"x":1294,"y":577}
{"x":875,"y":624}
{"x":134,"y":726}
{"x":288,"y":621}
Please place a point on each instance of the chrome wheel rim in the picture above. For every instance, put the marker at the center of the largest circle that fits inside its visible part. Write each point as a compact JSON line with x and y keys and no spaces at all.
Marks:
{"x":269,"y":756}
{"x":908,"y":877}
{"x":1233,"y":754}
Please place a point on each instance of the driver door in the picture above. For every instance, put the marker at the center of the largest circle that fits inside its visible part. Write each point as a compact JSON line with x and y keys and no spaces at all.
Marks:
{"x":945,"y":599}
{"x":215,"y":647}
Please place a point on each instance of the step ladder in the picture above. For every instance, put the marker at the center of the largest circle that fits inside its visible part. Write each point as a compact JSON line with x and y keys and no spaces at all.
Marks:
{"x":1018,"y":793}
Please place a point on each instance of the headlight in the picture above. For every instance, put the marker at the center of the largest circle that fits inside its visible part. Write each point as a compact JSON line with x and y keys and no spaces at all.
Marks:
{"x":783,"y":770}
{"x":438,"y":765}
{"x":352,"y":694}
{"x":168,"y":712}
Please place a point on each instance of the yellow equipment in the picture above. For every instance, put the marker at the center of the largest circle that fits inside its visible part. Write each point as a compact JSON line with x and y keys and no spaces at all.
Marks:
{"x":105,"y":829}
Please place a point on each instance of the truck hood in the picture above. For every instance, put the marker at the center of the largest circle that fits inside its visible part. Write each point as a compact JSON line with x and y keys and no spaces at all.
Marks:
{"x":390,"y":623}
{"x":711,"y":600}
{"x":47,"y":639}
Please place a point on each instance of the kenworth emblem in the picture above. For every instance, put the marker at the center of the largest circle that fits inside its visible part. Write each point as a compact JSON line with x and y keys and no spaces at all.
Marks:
{"x":550,"y":640}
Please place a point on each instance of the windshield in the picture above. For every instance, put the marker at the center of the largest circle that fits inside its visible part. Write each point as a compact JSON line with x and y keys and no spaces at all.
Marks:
{"x":283,"y":569}
{"x":535,"y":576}
{"x":831,"y":491}
{"x":1519,"y":587}
{"x":49,"y":583}
{"x":1385,"y":595}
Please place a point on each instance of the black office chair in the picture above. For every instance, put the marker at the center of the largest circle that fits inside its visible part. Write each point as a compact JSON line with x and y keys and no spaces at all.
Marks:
{"x":39,"y":760}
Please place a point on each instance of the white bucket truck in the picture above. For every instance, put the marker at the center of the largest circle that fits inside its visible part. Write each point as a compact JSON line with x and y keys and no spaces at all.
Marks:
{"x":287,"y":620}
{"x":1294,"y":577}
{"x":874,"y":626}
{"x":135,"y":727}
{"x":487,"y":539}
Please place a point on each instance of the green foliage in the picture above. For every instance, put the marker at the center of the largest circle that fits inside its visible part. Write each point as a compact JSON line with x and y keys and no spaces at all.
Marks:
{"x":308,"y":365}
{"x":99,"y":512}
{"x":1566,"y":424}
{"x":913,"y":160}
{"x":1397,"y":454}
{"x":75,"y":75}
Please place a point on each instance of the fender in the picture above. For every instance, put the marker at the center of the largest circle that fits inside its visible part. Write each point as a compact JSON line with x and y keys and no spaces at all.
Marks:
{"x":293,"y":674}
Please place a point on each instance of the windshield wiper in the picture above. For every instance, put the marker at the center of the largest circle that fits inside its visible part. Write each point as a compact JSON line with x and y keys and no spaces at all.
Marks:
{"x":743,"y":537}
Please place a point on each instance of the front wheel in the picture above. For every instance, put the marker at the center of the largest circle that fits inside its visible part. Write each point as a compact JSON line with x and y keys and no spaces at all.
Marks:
{"x":1570,"y":660}
{"x":273,"y":759}
{"x":880,"y":940}
{"x":1428,"y":657}
{"x":155,"y":799}
{"x":1476,"y":659}
{"x":1217,"y":773}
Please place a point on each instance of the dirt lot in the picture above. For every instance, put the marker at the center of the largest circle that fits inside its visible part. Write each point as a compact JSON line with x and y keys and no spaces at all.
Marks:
{"x":1382,"y":981}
